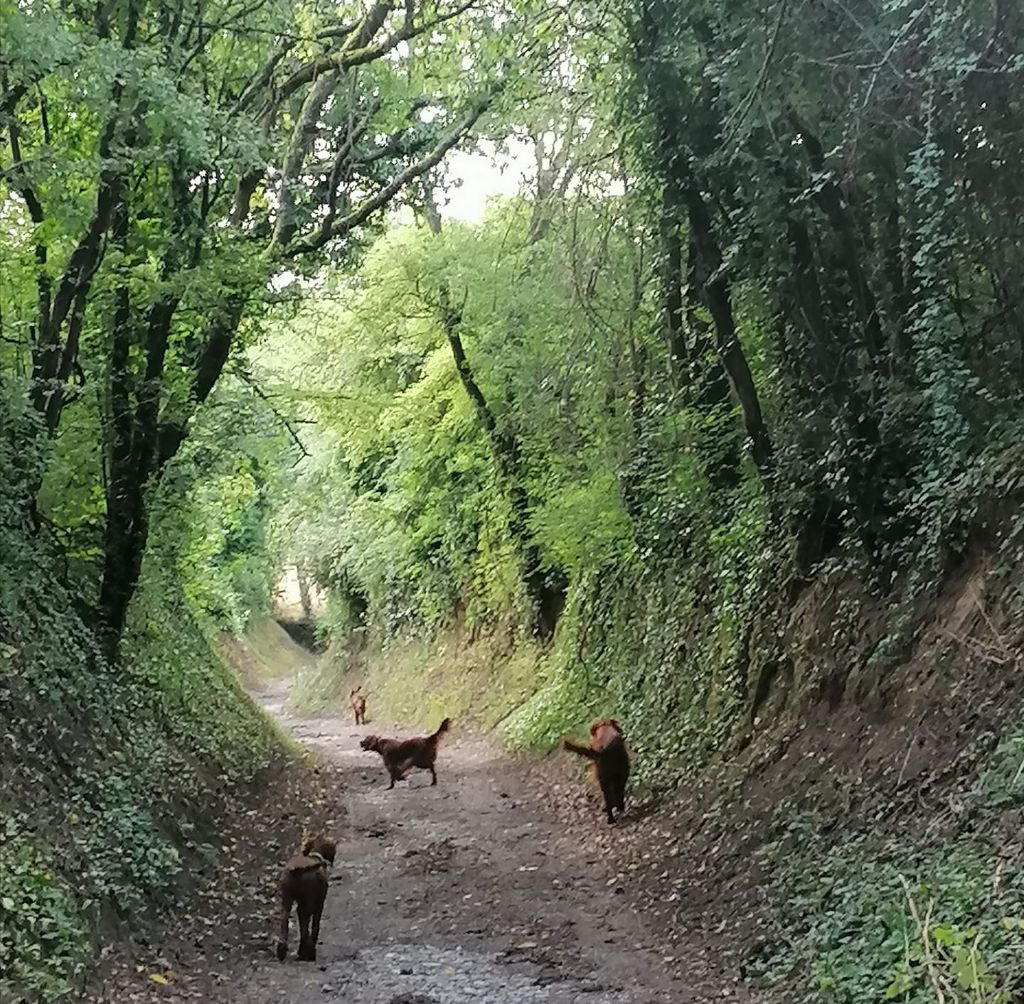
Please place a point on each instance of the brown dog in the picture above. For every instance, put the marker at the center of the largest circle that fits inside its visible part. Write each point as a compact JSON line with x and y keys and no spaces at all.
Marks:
{"x":607,"y":751}
{"x":303,"y":885}
{"x":358,"y":703}
{"x":401,"y":755}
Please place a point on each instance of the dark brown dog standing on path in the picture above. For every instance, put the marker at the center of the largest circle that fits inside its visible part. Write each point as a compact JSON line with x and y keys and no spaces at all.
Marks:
{"x":358,"y":703}
{"x":401,"y":755}
{"x":607,"y":751}
{"x":303,"y":885}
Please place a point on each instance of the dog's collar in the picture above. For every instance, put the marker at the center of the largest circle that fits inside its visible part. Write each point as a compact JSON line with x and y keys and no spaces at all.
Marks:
{"x":317,"y":856}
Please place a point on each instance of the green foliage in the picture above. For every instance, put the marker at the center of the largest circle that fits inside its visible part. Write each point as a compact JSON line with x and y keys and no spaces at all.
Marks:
{"x":659,"y":651}
{"x":403,"y":500}
{"x":583,"y":525}
{"x":120,"y":838}
{"x":44,"y":927}
{"x":1003,"y":780}
{"x":904,"y":920}
{"x":232,"y":474}
{"x":163,"y":190}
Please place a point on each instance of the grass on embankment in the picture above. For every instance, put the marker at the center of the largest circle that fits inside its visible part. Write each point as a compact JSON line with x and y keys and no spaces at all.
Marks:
{"x":266,"y":654}
{"x":416,"y":682}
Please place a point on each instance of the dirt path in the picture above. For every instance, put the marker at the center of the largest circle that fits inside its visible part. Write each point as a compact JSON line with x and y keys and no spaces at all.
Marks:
{"x":464,"y":892}
{"x":461,"y":892}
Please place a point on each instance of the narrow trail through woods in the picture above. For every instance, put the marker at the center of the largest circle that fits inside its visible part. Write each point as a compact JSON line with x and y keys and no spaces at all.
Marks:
{"x":467,"y":891}
{"x":475,"y":890}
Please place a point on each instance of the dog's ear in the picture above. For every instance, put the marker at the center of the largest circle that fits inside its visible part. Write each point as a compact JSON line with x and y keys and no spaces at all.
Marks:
{"x":307,"y":844}
{"x":595,"y":727}
{"x":328,"y":848}
{"x":614,"y":724}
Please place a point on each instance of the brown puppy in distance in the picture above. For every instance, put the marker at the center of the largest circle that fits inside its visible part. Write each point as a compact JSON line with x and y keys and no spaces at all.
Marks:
{"x":401,"y":755}
{"x":303,"y":884}
{"x":358,"y":703}
{"x":607,"y":752}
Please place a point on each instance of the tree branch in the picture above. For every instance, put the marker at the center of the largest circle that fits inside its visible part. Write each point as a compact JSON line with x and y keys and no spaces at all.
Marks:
{"x":369,"y":206}
{"x":286,"y":423}
{"x":303,"y":135}
{"x":263,"y":78}
{"x":343,"y":156}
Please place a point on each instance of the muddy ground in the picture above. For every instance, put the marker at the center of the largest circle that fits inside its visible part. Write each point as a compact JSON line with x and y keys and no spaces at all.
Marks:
{"x":492,"y":886}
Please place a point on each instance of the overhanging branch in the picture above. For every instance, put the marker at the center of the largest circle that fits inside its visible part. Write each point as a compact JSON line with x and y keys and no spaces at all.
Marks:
{"x":369,"y":206}
{"x":286,"y":423}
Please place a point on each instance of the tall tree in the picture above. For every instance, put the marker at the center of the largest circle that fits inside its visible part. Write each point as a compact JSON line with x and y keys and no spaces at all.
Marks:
{"x":235,"y":146}
{"x":683,"y":125}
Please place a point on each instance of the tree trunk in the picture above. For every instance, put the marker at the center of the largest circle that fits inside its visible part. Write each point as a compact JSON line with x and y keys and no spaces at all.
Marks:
{"x":718,"y":297}
{"x":860,"y":453}
{"x":836,"y":208}
{"x":304,"y":599}
{"x":545,"y":593}
{"x":672,"y":216}
{"x":719,"y":439}
{"x":122,"y":497}
{"x":712,"y":374}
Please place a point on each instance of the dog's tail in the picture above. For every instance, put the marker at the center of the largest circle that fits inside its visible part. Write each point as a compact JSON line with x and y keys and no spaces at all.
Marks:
{"x":584,"y":751}
{"x":442,"y":729}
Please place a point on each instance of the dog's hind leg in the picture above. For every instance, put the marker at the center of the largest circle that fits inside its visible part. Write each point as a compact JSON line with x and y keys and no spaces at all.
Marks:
{"x":318,"y":909}
{"x":398,"y":773}
{"x":608,"y":789}
{"x":307,"y":948}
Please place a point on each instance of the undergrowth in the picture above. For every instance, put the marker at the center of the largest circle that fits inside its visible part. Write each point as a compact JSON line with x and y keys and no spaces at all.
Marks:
{"x":900,"y":920}
{"x":880,"y":914}
{"x":110,"y":775}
